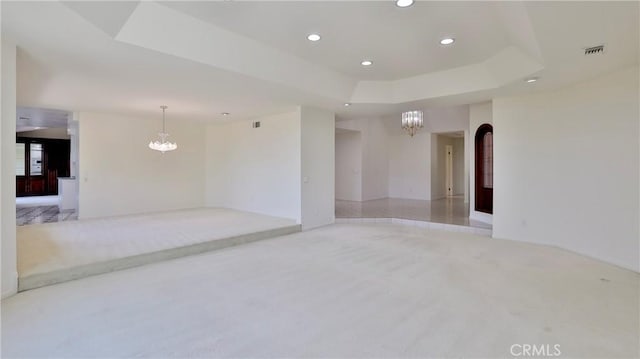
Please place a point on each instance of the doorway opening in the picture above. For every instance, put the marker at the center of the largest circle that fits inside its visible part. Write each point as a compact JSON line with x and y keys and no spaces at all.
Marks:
{"x":448,"y":165}
{"x":348,"y":162}
{"x":39,"y":164}
{"x":46,"y":190}
{"x":484,"y":169}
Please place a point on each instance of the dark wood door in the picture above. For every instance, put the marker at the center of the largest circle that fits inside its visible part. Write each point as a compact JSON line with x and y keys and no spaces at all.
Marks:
{"x":39,"y":162}
{"x":21,"y":186}
{"x":484,"y":169}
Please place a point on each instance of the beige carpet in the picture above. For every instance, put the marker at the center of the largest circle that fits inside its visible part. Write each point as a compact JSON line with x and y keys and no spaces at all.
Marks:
{"x":342,"y":291}
{"x":68,"y":250}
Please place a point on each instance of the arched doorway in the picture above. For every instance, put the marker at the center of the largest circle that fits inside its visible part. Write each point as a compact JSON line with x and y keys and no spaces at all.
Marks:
{"x":484,"y":169}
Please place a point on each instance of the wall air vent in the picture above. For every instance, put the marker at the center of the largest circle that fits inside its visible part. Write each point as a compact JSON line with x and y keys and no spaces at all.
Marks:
{"x":594,"y":50}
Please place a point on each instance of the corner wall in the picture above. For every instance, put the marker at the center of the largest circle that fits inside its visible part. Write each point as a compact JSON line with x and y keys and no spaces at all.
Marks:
{"x":284,"y":168}
{"x":567,"y":168}
{"x":256,"y":169}
{"x":120,"y":175}
{"x":318,"y":167}
{"x":348,"y":157}
{"x":410,"y":165}
{"x":375,"y":156}
{"x":8,"y":266}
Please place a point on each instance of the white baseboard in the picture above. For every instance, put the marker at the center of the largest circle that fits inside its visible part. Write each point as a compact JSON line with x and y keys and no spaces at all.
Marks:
{"x":481,"y":217}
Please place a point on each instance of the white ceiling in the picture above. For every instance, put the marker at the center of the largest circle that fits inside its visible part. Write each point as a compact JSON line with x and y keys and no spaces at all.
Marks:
{"x":252,"y":58}
{"x":29,"y":119}
{"x":402,"y":42}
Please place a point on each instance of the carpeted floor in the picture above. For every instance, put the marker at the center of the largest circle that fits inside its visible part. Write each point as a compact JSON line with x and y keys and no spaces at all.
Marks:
{"x":51,"y":247}
{"x":343,"y":291}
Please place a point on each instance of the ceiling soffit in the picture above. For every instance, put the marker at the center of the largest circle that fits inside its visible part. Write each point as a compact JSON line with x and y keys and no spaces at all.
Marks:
{"x":108,"y":16}
{"x":157,"y":27}
{"x":509,"y":65}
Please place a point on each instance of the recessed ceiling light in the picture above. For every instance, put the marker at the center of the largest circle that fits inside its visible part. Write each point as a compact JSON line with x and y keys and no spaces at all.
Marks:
{"x":531,"y":80}
{"x":313,"y":37}
{"x":347,"y":104}
{"x":366,"y":63}
{"x":225,"y":114}
{"x":447,"y":41}
{"x":404,"y":3}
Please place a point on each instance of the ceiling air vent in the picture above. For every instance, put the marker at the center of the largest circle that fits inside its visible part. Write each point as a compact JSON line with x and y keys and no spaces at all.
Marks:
{"x":594,"y":50}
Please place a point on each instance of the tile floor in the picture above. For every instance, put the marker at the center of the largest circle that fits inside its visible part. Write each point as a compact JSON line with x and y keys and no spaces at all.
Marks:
{"x":40,"y":209}
{"x":42,"y":214}
{"x":35,"y":201}
{"x":450,"y":211}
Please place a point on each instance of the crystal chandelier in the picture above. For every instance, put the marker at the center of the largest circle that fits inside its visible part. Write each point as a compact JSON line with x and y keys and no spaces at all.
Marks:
{"x":163,"y":145}
{"x":412,"y":121}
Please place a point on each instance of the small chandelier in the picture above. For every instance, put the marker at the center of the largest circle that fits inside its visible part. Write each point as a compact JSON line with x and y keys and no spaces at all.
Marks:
{"x":163,"y":145}
{"x":412,"y":121}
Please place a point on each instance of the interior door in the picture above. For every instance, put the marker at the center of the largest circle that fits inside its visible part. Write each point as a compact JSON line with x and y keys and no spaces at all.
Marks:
{"x":39,"y":163}
{"x":21,"y":169}
{"x":484,"y":169}
{"x":36,"y":175}
{"x":30,"y":169}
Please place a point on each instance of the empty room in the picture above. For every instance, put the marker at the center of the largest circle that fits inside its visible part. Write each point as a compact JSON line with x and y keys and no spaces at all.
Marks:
{"x":320,"y":179}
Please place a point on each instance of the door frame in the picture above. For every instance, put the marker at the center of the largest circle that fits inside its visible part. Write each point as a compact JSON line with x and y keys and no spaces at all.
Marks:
{"x":448,"y":181}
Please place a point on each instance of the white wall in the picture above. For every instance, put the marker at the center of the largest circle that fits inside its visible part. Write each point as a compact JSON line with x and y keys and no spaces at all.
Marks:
{"x":446,"y":119}
{"x":73,"y":128}
{"x":120,"y":175}
{"x":566,"y":168}
{"x":459,"y":170}
{"x":478,"y":114}
{"x":318,"y":167}
{"x":410,"y":166}
{"x":437,"y":167}
{"x":375,"y":156}
{"x":256,"y":169}
{"x":8,"y":266}
{"x":348,"y":159}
